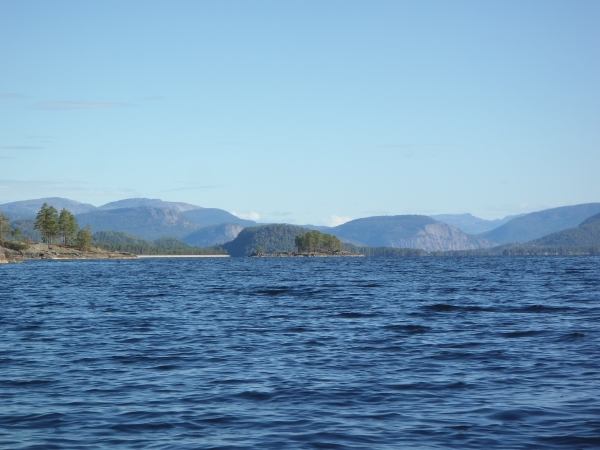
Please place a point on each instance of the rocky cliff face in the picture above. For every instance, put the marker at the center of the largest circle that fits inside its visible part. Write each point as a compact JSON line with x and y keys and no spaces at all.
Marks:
{"x":440,"y":236}
{"x":147,"y":223}
{"x":410,"y":231}
{"x":214,"y":235}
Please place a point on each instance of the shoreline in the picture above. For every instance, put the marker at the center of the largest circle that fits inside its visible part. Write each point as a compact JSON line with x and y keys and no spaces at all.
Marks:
{"x":36,"y":251}
{"x":182,"y":256}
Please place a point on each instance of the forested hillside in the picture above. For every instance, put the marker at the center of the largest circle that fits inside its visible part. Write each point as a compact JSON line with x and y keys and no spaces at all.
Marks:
{"x":265,"y":239}
{"x":123,"y":242}
{"x":148,"y":223}
{"x":586,"y":234}
{"x":541,"y":223}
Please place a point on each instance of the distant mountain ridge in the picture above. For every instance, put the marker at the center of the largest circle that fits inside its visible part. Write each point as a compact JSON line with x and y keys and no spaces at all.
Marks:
{"x":147,"y":223}
{"x":213,"y":216}
{"x":214,"y":235}
{"x":587,"y":233}
{"x":470,"y":224}
{"x":149,"y":203}
{"x":537,"y":224}
{"x":407,"y":231}
{"x":144,"y":217}
{"x":154,"y":218}
{"x":28,"y":209}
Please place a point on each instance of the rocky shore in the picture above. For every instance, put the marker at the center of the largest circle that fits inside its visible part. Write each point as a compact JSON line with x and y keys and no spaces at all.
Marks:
{"x":11,"y":252}
{"x":306,"y":255}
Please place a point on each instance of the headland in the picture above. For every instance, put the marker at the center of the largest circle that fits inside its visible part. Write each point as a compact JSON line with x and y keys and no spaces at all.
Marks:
{"x":16,"y":252}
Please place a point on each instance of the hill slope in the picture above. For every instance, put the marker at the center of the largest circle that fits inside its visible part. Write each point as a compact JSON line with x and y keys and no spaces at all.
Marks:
{"x":409,"y":231}
{"x":147,"y":223}
{"x":537,"y":224}
{"x":586,"y":234}
{"x":471,"y":224}
{"x":214,"y":235}
{"x":149,"y":203}
{"x":28,"y":209}
{"x":272,"y":238}
{"x":214,"y":216}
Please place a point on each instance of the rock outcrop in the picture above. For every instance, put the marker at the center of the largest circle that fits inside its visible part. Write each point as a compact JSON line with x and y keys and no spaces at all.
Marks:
{"x":409,"y":231}
{"x":45,"y":251}
{"x":214,"y":235}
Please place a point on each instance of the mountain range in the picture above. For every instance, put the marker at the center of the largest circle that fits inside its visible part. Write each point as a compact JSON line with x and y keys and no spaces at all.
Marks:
{"x":407,"y":231}
{"x":471,"y":224}
{"x":537,"y":224}
{"x":152,"y":219}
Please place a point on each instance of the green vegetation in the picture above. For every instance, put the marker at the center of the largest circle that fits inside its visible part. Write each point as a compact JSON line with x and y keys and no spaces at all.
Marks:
{"x":68,"y":227}
{"x":275,"y":238}
{"x":315,"y":241}
{"x":13,"y":245}
{"x":46,"y":222}
{"x":541,"y":223}
{"x":4,"y":226}
{"x":122,"y":242}
{"x":84,"y":238}
{"x":26,"y":230}
{"x":16,"y":235}
{"x":280,"y":238}
{"x":51,"y":225}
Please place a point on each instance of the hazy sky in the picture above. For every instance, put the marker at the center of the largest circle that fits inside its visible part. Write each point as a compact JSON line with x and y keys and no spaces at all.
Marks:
{"x":302,"y":111}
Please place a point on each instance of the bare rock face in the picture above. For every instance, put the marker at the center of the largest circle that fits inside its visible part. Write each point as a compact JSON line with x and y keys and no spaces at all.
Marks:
{"x":409,"y":231}
{"x":214,"y":235}
{"x":9,"y":256}
{"x":145,"y":222}
{"x":45,"y":251}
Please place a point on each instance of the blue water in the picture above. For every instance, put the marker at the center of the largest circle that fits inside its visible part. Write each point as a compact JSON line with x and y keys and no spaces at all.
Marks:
{"x":340,"y":353}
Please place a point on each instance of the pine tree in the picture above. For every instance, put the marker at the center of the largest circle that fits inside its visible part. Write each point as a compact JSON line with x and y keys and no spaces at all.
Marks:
{"x":84,"y":238}
{"x":4,"y":225}
{"x":16,"y":234}
{"x":47,"y":222}
{"x":68,"y":227}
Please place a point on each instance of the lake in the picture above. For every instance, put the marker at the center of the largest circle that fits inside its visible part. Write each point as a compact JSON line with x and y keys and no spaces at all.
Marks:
{"x":301,"y":353}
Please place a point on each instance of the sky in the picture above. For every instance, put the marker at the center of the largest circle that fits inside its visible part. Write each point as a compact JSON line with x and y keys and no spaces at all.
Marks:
{"x":303,"y":111}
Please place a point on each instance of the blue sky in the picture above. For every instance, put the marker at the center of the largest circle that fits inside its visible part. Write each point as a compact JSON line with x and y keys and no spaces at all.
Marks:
{"x":303,"y":111}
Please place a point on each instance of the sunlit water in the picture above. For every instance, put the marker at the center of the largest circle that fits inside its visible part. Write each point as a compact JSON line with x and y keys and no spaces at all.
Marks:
{"x":485,"y":353}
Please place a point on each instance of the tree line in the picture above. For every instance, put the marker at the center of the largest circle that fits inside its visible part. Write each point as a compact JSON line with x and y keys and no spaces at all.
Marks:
{"x":117,"y":241}
{"x":315,"y":241}
{"x":62,"y":228}
{"x":55,"y":227}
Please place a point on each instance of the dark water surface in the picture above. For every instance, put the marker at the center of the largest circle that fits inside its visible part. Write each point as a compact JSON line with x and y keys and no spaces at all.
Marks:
{"x":486,"y":353}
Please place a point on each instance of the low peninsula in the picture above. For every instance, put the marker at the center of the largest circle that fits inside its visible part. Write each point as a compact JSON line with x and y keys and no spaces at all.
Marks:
{"x":16,"y":252}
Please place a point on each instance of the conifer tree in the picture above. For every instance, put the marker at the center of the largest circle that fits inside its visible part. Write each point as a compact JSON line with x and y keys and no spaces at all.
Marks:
{"x":4,"y":226}
{"x":16,"y":234}
{"x":47,"y":222}
{"x":84,"y":238}
{"x":68,"y":227}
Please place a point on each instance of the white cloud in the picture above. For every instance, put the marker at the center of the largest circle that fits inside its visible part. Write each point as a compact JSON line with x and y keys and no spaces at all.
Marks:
{"x":334,"y":221}
{"x":252,"y":215}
